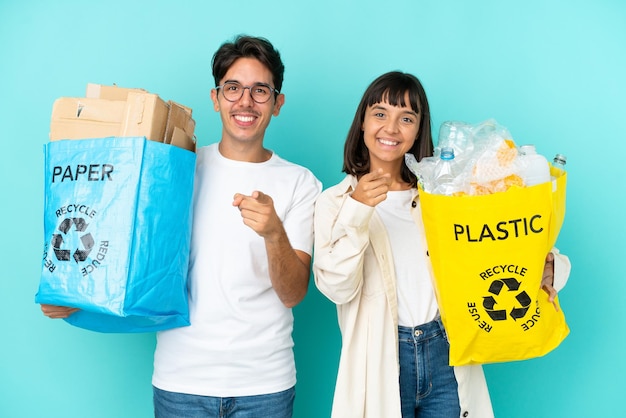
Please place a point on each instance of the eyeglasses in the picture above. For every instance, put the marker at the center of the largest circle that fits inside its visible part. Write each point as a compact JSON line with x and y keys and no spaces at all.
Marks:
{"x":259,"y":92}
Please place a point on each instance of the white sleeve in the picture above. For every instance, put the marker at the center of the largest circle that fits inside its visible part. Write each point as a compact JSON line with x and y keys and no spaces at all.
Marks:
{"x":298,"y":222}
{"x":562,"y":268}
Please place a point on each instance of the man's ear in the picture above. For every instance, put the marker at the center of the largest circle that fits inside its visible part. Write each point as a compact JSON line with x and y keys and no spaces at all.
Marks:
{"x":216,"y":104}
{"x":280,"y":101}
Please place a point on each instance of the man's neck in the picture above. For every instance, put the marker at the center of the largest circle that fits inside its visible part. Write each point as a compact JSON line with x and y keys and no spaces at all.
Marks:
{"x":248,"y":152}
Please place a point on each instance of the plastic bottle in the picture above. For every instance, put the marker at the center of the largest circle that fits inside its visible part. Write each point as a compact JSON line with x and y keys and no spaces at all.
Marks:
{"x":455,"y":134}
{"x":535,"y":167}
{"x":445,"y":173}
{"x":559,"y":161}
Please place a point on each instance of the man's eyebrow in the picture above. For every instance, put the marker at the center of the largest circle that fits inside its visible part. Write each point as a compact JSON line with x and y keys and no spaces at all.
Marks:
{"x":239,"y":82}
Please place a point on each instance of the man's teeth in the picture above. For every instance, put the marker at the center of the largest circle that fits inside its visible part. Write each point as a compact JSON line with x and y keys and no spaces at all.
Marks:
{"x":244,"y":118}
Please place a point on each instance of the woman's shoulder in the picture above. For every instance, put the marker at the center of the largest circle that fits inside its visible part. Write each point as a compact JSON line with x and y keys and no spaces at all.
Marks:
{"x":345,"y":186}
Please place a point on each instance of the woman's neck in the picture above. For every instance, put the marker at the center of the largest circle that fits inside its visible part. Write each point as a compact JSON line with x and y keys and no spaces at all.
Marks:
{"x":395,"y":169}
{"x":399,"y":185}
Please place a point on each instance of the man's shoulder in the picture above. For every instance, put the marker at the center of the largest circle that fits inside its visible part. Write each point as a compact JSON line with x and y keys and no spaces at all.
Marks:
{"x":206,"y":149}
{"x":280,"y":161}
{"x":283,"y":164}
{"x":205,"y":152}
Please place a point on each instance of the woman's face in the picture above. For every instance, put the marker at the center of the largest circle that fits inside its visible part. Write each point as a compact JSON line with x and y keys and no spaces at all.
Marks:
{"x":389,"y":132}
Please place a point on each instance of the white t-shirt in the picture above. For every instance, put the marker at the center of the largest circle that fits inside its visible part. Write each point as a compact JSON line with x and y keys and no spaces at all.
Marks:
{"x":239,"y":341}
{"x":416,"y":298}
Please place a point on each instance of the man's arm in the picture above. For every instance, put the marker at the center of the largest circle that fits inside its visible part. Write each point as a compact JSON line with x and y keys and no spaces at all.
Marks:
{"x":289,"y":269}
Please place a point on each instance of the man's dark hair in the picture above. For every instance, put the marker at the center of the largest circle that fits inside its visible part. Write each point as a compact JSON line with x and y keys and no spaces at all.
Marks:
{"x":244,"y":46}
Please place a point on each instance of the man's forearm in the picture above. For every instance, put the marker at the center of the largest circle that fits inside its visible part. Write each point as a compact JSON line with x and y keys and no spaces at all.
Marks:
{"x":289,"y":269}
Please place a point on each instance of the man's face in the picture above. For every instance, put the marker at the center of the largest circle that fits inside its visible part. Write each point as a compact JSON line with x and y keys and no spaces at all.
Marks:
{"x":244,"y":120}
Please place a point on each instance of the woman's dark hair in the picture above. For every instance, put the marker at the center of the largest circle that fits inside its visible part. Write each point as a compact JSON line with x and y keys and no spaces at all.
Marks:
{"x":390,"y":87}
{"x":244,"y":46}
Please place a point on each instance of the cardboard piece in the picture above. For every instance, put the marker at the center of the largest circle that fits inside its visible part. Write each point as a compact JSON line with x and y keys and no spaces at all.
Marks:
{"x":111,"y":111}
{"x":99,"y":91}
{"x":180,"y":127}
{"x":74,"y":118}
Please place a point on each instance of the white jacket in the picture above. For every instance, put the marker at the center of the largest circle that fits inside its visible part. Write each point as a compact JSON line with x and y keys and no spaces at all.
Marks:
{"x":353,"y":266}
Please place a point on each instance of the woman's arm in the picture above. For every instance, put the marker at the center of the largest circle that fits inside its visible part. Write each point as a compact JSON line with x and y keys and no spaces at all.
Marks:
{"x":341,"y":238}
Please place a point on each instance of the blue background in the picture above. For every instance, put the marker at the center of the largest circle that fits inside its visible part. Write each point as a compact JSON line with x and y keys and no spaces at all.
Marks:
{"x":552,"y":72}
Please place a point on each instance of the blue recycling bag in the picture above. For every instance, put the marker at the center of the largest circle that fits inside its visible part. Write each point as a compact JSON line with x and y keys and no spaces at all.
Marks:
{"x":117,"y":231}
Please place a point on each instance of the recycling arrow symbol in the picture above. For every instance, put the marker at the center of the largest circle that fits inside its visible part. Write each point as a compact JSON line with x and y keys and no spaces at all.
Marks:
{"x":490,"y":302}
{"x":58,"y":240}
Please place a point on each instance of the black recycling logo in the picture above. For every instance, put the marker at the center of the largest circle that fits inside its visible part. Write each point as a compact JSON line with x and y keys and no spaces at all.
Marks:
{"x":500,"y":314}
{"x":60,"y":241}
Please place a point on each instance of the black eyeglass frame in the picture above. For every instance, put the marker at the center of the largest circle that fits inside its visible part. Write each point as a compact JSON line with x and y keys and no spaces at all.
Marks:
{"x":243,"y":88}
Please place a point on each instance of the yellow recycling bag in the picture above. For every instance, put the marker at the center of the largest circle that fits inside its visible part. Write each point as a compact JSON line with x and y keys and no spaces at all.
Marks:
{"x":488,"y":253}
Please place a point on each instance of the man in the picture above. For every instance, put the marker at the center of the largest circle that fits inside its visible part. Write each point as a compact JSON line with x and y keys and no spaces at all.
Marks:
{"x":250,"y":256}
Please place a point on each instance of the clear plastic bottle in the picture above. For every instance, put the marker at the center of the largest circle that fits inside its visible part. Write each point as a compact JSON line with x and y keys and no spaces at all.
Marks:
{"x":457,"y":135}
{"x":559,"y":161}
{"x":445,"y":173}
{"x":535,"y":167}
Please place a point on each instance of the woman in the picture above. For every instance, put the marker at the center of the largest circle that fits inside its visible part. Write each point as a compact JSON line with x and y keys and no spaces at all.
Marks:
{"x":371,"y":260}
